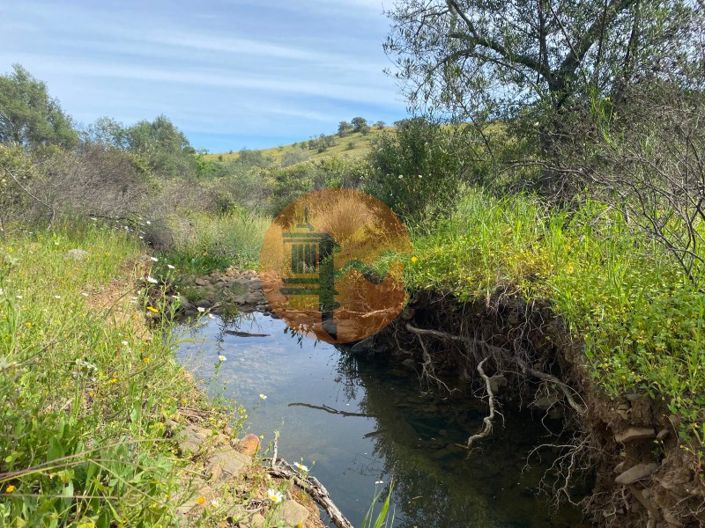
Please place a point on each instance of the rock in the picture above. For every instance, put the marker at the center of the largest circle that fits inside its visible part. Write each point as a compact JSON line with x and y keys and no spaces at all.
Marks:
{"x":77,"y":254}
{"x":190,"y":439}
{"x":184,"y":303}
{"x":227,"y":464}
{"x":204,"y":303}
{"x":635,"y":473}
{"x":291,"y":514}
{"x":200,"y":281}
{"x":409,"y":364}
{"x":632,"y":434}
{"x":249,"y":445}
{"x":258,"y":521}
{"x":254,"y":298}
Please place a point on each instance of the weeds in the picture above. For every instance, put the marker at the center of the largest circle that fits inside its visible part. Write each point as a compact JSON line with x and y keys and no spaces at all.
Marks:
{"x":84,"y":387}
{"x":640,"y":318}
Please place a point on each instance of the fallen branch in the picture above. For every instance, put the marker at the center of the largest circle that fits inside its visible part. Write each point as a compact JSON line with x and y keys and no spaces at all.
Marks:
{"x":311,"y":485}
{"x":487,"y":421}
{"x":238,"y":333}
{"x":328,"y":409}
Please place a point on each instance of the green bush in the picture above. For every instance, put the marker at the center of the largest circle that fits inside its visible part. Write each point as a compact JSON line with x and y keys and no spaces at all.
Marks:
{"x":419,"y":168}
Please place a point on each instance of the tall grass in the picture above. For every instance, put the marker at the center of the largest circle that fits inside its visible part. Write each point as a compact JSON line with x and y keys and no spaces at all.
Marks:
{"x":642,"y":321}
{"x":83,"y":389}
{"x":204,"y":242}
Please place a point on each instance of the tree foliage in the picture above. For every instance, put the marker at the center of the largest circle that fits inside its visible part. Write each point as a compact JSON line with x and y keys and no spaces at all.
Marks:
{"x":479,"y":58}
{"x":29,"y":116}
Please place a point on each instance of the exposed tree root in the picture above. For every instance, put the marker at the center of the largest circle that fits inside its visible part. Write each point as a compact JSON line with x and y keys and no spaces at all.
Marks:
{"x":487,"y":421}
{"x":536,"y":364}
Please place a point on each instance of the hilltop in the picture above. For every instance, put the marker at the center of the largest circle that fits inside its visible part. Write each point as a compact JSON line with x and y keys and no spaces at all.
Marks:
{"x":352,"y":145}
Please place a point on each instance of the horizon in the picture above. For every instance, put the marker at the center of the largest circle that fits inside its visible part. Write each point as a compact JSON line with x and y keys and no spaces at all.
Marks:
{"x":213,"y":71}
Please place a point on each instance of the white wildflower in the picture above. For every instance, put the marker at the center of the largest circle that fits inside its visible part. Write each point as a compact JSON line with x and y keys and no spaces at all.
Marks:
{"x":152,"y":280}
{"x":262,"y":396}
{"x":275,"y":496}
{"x":154,"y":259}
{"x":125,"y":343}
{"x":301,"y":467}
{"x":201,"y":309}
{"x":170,"y":266}
{"x":222,"y":358}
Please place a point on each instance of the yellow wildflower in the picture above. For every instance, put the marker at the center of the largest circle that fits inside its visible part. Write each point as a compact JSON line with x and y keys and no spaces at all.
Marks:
{"x":414,"y":259}
{"x":152,"y":309}
{"x":201,"y":500}
{"x":10,"y":488}
{"x":113,"y":380}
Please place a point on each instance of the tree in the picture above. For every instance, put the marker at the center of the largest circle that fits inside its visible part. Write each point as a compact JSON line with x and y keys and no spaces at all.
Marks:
{"x":359,"y":124}
{"x":419,"y":169}
{"x":344,"y":128}
{"x":539,"y":59}
{"x":28,"y":116}
{"x":379,"y":125}
{"x":107,"y":131}
{"x":163,"y":146}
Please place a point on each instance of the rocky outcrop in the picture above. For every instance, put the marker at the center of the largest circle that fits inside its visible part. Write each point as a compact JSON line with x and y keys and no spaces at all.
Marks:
{"x":222,"y":291}
{"x":224,"y":482}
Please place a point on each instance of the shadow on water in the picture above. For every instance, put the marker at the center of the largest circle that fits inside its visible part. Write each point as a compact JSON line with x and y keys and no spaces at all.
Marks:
{"x":408,"y":436}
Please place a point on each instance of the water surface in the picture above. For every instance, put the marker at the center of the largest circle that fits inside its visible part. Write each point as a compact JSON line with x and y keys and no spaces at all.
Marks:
{"x":409,"y":437}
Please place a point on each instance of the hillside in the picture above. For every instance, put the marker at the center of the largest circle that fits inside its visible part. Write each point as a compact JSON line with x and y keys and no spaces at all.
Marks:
{"x":353,"y":145}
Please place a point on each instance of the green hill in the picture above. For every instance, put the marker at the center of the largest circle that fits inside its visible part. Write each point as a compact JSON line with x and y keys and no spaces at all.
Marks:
{"x":353,"y":145}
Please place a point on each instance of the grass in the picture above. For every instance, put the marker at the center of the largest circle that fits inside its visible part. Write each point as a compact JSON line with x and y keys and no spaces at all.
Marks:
{"x":352,"y":146}
{"x":84,"y":390}
{"x":204,"y":243}
{"x":642,"y":321}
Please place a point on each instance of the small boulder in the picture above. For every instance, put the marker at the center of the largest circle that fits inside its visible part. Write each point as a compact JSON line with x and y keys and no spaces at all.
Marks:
{"x":632,"y":434}
{"x":248,"y":445}
{"x":200,"y":281}
{"x":227,"y":464}
{"x":190,"y":439}
{"x":636,"y":473}
{"x":291,"y":514}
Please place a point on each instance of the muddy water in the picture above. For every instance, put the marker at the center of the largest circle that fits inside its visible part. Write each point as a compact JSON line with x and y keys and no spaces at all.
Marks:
{"x":407,"y":437}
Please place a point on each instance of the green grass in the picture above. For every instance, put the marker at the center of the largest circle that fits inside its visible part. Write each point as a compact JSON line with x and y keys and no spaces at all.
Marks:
{"x":83,"y":394}
{"x":352,"y":146}
{"x":642,"y":321}
{"x":204,"y":242}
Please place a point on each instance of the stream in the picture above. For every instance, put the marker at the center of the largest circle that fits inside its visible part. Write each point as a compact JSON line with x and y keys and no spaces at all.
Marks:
{"x":407,"y":436}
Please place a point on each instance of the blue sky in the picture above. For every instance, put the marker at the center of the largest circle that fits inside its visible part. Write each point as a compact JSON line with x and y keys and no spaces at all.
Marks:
{"x":230,"y":74}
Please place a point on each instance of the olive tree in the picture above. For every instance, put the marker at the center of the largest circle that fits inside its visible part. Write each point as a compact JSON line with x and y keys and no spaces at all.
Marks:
{"x":539,"y":59}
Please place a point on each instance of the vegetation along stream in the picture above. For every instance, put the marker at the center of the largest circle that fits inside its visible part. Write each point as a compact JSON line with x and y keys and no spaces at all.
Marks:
{"x":386,"y":429}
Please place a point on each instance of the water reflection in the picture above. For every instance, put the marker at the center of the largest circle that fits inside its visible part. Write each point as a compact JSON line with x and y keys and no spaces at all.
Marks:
{"x":408,"y":436}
